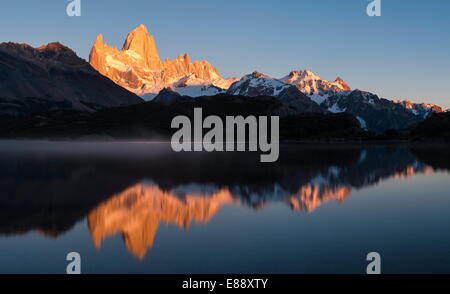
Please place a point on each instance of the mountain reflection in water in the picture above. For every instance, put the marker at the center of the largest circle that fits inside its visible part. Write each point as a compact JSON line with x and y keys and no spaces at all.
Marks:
{"x":132,"y":188}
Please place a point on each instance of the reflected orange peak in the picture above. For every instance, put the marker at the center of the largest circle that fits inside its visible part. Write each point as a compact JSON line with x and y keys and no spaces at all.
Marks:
{"x":310,"y":197}
{"x":137,"y":212}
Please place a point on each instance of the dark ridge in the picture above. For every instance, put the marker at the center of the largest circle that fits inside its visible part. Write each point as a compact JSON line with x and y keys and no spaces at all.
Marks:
{"x":435,"y":128}
{"x":152,"y":119}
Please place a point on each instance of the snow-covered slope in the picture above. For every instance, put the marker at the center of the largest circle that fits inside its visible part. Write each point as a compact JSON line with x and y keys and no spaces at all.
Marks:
{"x":195,"y":87}
{"x":311,"y":84}
{"x":305,"y":81}
{"x":257,"y":84}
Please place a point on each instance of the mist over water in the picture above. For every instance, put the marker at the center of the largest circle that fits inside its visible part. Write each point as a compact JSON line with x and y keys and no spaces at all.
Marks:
{"x":140,"y":207}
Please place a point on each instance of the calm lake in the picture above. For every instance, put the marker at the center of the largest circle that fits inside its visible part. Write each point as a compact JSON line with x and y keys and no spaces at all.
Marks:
{"x":141,"y":208}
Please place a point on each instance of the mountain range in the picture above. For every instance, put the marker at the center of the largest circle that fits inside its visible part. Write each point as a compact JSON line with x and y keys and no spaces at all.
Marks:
{"x":54,"y":77}
{"x":138,"y":68}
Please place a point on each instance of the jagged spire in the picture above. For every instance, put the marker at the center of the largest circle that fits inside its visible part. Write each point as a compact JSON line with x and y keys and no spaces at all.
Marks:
{"x":99,"y":40}
{"x":143,"y":44}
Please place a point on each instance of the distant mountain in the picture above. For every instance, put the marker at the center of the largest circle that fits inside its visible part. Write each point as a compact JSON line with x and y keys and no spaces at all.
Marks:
{"x":422,"y":110}
{"x":314,"y":86}
{"x":378,"y":114}
{"x":257,"y":84}
{"x":138,"y":68}
{"x":374,"y":113}
{"x":305,"y":91}
{"x":53,"y":76}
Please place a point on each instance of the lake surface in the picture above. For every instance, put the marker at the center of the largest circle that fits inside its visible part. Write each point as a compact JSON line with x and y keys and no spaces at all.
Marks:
{"x":141,"y":208}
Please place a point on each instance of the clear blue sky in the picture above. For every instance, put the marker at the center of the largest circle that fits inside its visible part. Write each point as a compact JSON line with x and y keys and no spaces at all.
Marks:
{"x":405,"y":53}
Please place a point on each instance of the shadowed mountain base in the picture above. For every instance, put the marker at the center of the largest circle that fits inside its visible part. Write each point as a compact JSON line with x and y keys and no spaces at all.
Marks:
{"x":153,"y":120}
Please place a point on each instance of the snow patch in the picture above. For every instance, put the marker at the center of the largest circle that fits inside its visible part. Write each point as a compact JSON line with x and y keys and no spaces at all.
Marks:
{"x":336,"y":109}
{"x":114,"y":63}
{"x":133,"y":54}
{"x":362,"y":122}
{"x":198,"y":91}
{"x":318,"y":98}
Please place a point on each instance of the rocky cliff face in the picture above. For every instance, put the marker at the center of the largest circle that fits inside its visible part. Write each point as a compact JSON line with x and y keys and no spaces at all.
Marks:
{"x":143,"y":44}
{"x":138,"y":68}
{"x":53,"y":77}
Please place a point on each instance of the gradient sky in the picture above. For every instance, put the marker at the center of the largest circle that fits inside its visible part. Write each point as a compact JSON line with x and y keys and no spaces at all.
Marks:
{"x":404,"y":54}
